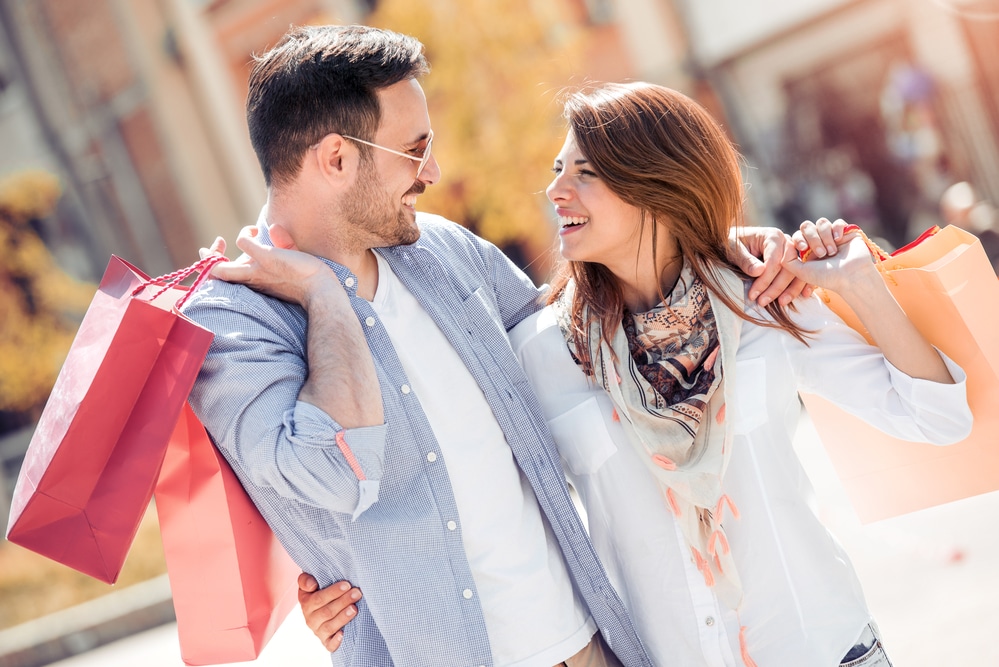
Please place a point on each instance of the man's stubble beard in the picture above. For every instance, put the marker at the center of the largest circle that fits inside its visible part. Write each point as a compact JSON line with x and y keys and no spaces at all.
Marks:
{"x":371,"y":214}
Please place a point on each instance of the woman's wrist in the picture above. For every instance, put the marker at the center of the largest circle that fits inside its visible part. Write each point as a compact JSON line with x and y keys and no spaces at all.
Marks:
{"x":864,"y":284}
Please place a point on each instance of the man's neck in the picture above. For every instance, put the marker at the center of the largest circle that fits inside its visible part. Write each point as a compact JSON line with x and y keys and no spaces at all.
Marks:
{"x":311,"y":233}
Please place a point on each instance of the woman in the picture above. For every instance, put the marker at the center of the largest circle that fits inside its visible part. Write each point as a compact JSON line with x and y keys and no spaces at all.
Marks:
{"x":673,"y":399}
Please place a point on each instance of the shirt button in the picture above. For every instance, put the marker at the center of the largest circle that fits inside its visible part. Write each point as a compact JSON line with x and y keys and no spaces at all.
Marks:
{"x":349,"y":282}
{"x":432,"y":456}
{"x":405,"y":389}
{"x":709,"y":621}
{"x":467,"y":593}
{"x":451,"y":525}
{"x":370,"y":321}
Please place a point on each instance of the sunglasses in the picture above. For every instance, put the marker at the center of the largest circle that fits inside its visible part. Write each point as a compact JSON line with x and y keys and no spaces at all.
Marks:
{"x":422,"y":159}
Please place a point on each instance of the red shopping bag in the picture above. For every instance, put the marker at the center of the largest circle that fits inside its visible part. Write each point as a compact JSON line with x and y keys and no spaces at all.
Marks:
{"x":946,"y":285}
{"x":232,"y":581}
{"x":93,"y":460}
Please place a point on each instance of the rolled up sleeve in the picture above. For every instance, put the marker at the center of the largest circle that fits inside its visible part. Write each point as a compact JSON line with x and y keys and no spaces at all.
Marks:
{"x":247,"y":397}
{"x":941,"y":412}
{"x":308,"y":428}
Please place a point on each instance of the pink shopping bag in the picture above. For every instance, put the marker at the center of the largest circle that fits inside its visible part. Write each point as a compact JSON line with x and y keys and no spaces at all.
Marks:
{"x":93,"y":460}
{"x":232,"y":581}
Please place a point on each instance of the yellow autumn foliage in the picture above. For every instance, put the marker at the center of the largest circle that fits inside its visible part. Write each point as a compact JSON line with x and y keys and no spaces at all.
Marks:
{"x":40,"y":306}
{"x":495,"y":76}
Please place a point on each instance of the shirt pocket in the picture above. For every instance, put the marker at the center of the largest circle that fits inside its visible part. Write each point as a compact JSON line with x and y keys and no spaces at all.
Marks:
{"x":747,"y":407}
{"x":482,"y":319}
{"x":582,"y":437}
{"x":479,"y":304}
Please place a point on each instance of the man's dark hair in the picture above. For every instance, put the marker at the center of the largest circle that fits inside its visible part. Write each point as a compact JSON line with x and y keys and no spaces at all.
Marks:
{"x":323,"y":79}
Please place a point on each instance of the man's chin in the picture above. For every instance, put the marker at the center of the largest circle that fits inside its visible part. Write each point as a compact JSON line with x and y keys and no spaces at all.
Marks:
{"x":411,"y":238}
{"x":409,"y":231}
{"x":407,"y":236}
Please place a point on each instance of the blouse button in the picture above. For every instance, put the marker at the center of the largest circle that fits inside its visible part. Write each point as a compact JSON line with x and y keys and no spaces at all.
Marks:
{"x":709,"y":621}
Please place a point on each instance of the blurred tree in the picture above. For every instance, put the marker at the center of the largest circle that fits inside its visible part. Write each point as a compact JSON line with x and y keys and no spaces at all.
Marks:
{"x":491,"y":94}
{"x":40,"y":306}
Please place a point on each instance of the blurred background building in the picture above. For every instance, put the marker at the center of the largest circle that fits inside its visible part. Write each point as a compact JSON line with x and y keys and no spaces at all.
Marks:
{"x":862,"y":109}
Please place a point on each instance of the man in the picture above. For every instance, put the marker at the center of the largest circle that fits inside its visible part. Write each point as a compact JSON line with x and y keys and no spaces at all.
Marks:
{"x":364,"y":390}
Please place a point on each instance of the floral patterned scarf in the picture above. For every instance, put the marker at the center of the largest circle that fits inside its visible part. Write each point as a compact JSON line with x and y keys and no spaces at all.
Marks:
{"x":665,"y":372}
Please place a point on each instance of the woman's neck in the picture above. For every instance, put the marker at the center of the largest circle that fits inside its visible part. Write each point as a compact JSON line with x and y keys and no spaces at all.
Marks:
{"x":644,"y":289}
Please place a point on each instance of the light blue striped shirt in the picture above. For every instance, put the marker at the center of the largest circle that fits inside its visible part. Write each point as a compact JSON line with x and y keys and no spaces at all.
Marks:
{"x":387,"y":534}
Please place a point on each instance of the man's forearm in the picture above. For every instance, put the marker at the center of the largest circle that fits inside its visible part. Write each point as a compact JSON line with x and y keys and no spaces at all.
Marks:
{"x":342,"y":380}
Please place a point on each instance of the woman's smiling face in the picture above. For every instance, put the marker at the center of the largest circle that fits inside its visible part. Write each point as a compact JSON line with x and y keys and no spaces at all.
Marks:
{"x":595,"y":225}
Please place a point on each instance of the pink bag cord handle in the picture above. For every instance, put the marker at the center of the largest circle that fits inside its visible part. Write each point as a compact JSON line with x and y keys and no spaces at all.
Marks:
{"x":203,"y":266}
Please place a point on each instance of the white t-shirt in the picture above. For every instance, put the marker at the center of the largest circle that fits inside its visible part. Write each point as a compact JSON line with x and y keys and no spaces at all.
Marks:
{"x":532,"y":614}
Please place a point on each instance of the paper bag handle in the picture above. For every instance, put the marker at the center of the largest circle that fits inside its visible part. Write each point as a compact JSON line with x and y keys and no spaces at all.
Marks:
{"x":877,"y":253}
{"x":203,"y":266}
{"x":880,"y":256}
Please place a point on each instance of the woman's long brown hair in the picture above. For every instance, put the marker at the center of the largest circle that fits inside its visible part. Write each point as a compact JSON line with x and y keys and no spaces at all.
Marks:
{"x":661,"y":152}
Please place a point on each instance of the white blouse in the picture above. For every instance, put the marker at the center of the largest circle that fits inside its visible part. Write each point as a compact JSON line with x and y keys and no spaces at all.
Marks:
{"x":802,"y":602}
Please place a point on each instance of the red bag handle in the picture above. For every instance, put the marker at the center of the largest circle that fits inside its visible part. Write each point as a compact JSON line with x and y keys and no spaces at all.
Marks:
{"x":203,"y":266}
{"x":876,"y":252}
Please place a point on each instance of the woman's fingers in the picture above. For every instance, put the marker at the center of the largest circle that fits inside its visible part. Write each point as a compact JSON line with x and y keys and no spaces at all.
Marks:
{"x":327,"y":610}
{"x":821,"y":238}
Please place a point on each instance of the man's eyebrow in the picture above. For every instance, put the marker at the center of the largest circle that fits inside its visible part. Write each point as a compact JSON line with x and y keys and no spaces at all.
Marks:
{"x":420,"y":139}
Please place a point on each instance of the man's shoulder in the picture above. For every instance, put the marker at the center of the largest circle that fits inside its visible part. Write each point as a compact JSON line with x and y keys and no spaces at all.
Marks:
{"x":219,"y":305}
{"x":447,"y":239}
{"x":438,"y":228}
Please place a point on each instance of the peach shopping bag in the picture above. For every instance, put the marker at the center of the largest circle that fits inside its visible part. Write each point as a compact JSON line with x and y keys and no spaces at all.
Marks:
{"x":947,"y":287}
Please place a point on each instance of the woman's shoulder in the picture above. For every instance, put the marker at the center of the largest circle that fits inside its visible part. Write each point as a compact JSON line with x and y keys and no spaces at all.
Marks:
{"x":538,"y":329}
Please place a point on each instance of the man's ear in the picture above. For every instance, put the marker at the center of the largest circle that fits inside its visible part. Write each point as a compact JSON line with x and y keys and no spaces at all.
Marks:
{"x":330,"y":160}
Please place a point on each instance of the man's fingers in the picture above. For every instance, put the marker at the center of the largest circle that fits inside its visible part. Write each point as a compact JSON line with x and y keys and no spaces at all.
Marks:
{"x":795,"y":288}
{"x":765,"y":278}
{"x":233,"y":272}
{"x":217,"y":248}
{"x":768,"y":291}
{"x":281,"y":238}
{"x":746,"y":262}
{"x":775,"y":252}
{"x":247,"y":241}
